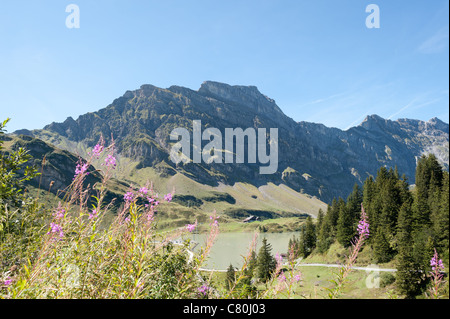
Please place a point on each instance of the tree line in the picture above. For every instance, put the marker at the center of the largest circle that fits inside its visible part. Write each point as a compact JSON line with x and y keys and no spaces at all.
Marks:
{"x":406,"y":223}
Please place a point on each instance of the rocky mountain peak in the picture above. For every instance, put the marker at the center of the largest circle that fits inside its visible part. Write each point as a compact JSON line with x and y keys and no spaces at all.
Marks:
{"x":438,"y":124}
{"x":248,"y":96}
{"x":373,"y":122}
{"x":224,"y":90}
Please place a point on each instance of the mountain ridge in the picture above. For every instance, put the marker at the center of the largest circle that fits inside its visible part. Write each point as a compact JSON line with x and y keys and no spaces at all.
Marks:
{"x":334,"y":159}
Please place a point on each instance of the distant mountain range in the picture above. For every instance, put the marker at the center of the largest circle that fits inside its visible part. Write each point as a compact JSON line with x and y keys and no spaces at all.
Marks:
{"x":313,"y":159}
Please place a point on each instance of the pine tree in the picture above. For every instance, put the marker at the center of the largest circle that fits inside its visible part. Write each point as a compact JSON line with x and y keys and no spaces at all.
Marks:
{"x":435,"y":170}
{"x":302,"y":251}
{"x":440,"y":220}
{"x":408,"y":270}
{"x":309,"y":237}
{"x":230,"y":278}
{"x":245,"y":286}
{"x":368,"y":193}
{"x":404,"y":192}
{"x":386,"y":195}
{"x":420,"y":225}
{"x":429,"y":176}
{"x":354,"y":201}
{"x":266,"y":263}
{"x":345,"y":230}
{"x":376,"y":207}
{"x":324,"y":238}
{"x":320,"y":219}
{"x":333,"y":216}
{"x":382,"y":251}
{"x":434,"y":198}
{"x":369,"y":203}
{"x":294,"y":247}
{"x":408,"y":275}
{"x":252,"y":263}
{"x":391,"y":203}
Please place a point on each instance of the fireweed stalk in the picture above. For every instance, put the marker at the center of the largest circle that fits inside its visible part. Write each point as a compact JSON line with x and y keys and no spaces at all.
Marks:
{"x":75,"y":192}
{"x":436,"y":275}
{"x":294,"y":276}
{"x":212,"y":236}
{"x":357,"y":243}
{"x":97,"y":209}
{"x":282,"y":282}
{"x":277,"y":280}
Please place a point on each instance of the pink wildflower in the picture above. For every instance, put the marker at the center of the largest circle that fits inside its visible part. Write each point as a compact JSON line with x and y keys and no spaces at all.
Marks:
{"x":97,"y":150}
{"x":110,"y":161}
{"x":151,"y":202}
{"x":436,"y":264}
{"x":436,"y":275}
{"x":143,"y":190}
{"x":81,"y":168}
{"x":278,"y":258}
{"x":204,"y":290}
{"x":363,"y":225}
{"x":94,"y":214}
{"x":168,"y":197}
{"x":8,"y":281}
{"x":55,"y":228}
{"x":214,"y":221}
{"x":128,"y":197}
{"x":60,"y":212}
{"x":191,"y":227}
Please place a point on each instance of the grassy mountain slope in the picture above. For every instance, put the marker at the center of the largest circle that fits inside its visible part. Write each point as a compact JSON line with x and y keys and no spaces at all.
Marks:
{"x":192,"y":200}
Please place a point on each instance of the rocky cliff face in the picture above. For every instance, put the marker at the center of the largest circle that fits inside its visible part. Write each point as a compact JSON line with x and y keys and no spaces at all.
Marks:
{"x":318,"y":160}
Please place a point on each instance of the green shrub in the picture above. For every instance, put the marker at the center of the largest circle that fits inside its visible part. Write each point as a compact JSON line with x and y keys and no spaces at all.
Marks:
{"x":386,"y":279}
{"x":187,"y":200}
{"x":21,"y":217}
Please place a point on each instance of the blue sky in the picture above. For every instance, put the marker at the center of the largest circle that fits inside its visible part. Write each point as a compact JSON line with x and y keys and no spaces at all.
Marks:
{"x":317,"y":59}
